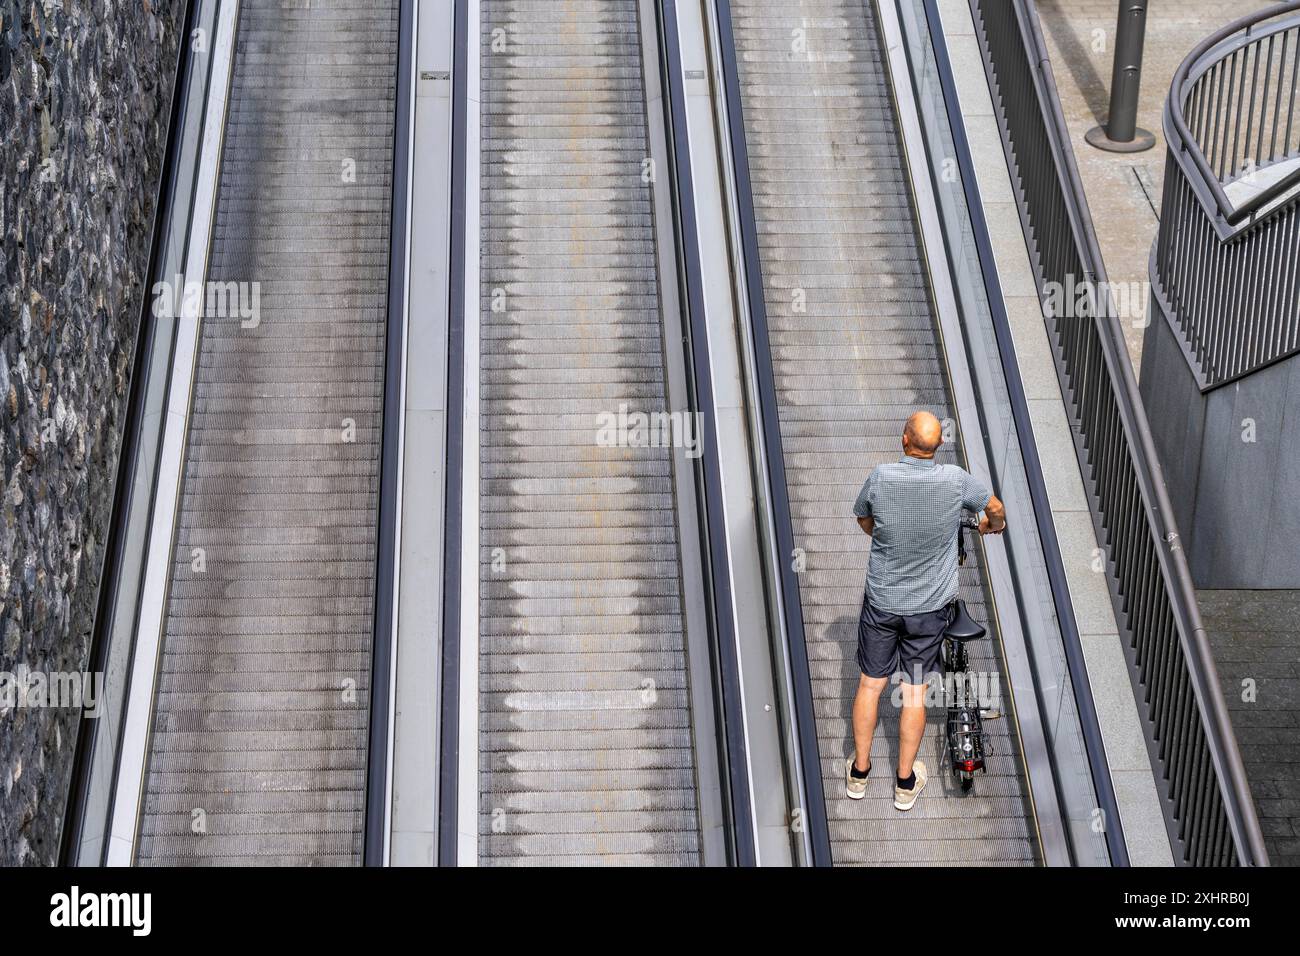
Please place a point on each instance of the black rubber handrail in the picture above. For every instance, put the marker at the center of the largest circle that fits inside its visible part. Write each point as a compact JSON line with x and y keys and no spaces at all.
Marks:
{"x":1058,"y":580}
{"x":1184,"y":143}
{"x":381,"y":648}
{"x":110,"y":583}
{"x":739,"y":800}
{"x":454,"y":491}
{"x":805,"y":719}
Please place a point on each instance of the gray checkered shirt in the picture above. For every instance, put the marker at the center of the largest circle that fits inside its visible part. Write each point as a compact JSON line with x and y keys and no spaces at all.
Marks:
{"x":917,"y":505}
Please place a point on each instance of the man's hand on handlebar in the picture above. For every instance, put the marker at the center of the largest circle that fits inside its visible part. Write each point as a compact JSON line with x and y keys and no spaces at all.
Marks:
{"x":995,"y":517}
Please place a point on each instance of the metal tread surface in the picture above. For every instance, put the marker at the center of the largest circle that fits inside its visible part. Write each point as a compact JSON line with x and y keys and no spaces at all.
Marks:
{"x":585,"y":738}
{"x":855,"y":349}
{"x":258,"y":742}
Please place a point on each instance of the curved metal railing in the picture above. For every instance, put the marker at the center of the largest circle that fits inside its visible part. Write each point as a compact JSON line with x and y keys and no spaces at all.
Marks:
{"x":1202,"y":781}
{"x":1224,"y":265}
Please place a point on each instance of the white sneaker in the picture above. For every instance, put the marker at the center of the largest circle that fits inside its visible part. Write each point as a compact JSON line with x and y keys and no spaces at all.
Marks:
{"x":855,"y":787}
{"x":906,"y":799}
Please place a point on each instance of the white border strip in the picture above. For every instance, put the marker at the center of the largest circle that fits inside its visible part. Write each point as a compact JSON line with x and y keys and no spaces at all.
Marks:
{"x":148,"y":637}
{"x":467,"y":773}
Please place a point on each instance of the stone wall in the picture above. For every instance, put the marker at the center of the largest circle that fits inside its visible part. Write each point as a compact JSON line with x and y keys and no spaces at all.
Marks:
{"x":85,"y":89}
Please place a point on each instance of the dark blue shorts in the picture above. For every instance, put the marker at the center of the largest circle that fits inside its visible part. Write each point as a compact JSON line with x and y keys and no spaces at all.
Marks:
{"x":909,"y":644}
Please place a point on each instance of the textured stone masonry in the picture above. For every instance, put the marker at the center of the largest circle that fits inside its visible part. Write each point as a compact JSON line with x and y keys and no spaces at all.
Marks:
{"x":85,"y":88}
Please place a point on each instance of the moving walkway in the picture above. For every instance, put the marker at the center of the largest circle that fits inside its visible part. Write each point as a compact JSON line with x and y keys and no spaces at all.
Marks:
{"x":245,"y":738}
{"x":260,"y":713}
{"x":594,"y":725}
{"x":855,"y":349}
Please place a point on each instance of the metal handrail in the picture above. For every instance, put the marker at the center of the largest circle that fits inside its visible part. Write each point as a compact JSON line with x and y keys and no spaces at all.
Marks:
{"x":385,"y":611}
{"x":1207,"y":799}
{"x":739,"y":801}
{"x":1185,"y":145}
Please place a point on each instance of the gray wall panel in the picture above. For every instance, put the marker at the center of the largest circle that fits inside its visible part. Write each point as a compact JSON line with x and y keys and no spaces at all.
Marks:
{"x":1237,"y":502}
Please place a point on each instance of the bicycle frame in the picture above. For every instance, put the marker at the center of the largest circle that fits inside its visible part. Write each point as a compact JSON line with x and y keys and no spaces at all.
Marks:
{"x":961,"y":690}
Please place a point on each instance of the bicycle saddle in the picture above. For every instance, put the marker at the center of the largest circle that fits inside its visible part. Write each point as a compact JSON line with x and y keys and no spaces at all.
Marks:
{"x":961,"y":626}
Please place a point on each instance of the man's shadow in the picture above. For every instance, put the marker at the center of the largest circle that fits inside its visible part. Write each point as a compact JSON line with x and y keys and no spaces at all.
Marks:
{"x":1078,"y":60}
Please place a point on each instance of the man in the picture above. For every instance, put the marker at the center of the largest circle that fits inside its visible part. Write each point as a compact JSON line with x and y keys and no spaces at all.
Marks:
{"x":912,"y":511}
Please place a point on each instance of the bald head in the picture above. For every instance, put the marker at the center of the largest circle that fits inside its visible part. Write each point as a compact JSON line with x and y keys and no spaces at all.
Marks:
{"x":922,"y":435}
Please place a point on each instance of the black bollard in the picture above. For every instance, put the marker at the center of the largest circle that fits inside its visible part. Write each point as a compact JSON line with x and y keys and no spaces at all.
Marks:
{"x":1121,"y":133}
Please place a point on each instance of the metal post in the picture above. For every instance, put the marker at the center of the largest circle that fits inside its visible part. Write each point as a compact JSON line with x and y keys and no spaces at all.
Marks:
{"x":1121,"y":133}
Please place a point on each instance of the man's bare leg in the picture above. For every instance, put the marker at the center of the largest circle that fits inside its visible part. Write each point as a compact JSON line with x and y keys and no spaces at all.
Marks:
{"x":911,"y":727}
{"x":866,"y":708}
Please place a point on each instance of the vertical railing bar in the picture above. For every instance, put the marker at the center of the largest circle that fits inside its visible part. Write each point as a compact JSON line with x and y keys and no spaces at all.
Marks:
{"x":1230,"y":358}
{"x":1263,"y":111}
{"x":1202,"y":109}
{"x":1214,"y":106}
{"x":1220,"y":70}
{"x":1239,"y":102}
{"x":1227,"y":115}
{"x":1277,"y":302}
{"x":1253,"y":54}
{"x":1295,"y":76}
